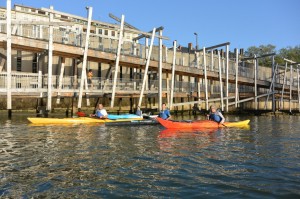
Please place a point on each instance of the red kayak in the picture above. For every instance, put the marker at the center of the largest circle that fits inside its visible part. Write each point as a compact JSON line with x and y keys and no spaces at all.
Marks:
{"x":198,"y":124}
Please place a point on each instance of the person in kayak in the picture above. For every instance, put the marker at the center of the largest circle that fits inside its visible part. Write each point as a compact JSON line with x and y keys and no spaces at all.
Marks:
{"x":138,"y":111}
{"x":100,"y":112}
{"x":164,"y":113}
{"x":215,"y":115}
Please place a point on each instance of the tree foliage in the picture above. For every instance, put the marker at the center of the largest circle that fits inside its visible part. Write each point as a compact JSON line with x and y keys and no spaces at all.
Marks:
{"x":291,"y":53}
{"x":261,"y":50}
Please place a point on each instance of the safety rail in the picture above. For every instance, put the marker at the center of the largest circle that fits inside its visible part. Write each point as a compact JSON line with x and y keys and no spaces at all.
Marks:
{"x":107,"y":44}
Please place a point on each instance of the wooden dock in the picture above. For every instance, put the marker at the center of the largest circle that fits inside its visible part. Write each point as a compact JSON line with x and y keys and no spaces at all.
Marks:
{"x":193,"y":78}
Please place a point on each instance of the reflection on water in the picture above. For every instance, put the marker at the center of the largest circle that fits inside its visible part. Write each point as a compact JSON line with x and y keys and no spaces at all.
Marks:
{"x":91,"y":161}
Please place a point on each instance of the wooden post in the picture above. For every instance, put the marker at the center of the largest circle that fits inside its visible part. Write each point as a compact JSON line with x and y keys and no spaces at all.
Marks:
{"x":212,"y":60}
{"x":271,"y":89}
{"x":146,"y":68}
{"x":50,"y":56}
{"x":8,"y":57}
{"x":86,"y":87}
{"x":173,"y":75}
{"x":298,"y":87}
{"x":117,"y":62}
{"x":274,"y":84}
{"x":199,"y":90}
{"x":86,"y":48}
{"x":40,"y":70}
{"x":227,"y":76}
{"x":160,"y":72}
{"x":205,"y":78}
{"x":62,"y":68}
{"x":291,"y":83}
{"x":283,"y":83}
{"x":236,"y":76}
{"x":220,"y":80}
{"x":75,"y":71}
{"x":198,"y":79}
{"x":147,"y":47}
{"x":255,"y":82}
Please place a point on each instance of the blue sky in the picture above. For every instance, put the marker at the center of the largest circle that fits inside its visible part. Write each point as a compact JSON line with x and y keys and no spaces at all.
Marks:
{"x":243,"y":23}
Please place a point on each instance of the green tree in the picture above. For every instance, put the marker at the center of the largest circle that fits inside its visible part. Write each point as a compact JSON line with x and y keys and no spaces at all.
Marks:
{"x":261,"y":50}
{"x":291,"y":53}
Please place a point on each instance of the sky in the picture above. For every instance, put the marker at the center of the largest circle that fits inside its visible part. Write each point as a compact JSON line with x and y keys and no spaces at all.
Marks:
{"x":242,"y":23}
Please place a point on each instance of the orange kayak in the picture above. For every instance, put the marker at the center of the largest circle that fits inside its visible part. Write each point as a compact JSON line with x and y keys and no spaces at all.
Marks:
{"x":169,"y":124}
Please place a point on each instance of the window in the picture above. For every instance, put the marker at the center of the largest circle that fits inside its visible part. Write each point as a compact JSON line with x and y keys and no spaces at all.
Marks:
{"x":19,"y":60}
{"x":34,"y":63}
{"x":106,"y":32}
{"x":100,"y":31}
{"x":64,"y":17}
{"x":41,"y":12}
{"x":113,"y":33}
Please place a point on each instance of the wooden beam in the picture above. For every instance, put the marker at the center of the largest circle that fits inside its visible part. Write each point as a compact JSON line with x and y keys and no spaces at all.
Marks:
{"x":86,"y":48}
{"x":148,"y":35}
{"x":173,"y":74}
{"x":120,"y":42}
{"x":146,"y":68}
{"x":49,"y":23}
{"x":214,"y":47}
{"x":50,"y":57}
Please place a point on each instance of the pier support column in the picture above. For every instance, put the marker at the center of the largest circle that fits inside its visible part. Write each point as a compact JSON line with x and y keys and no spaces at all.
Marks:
{"x":8,"y":57}
{"x":120,"y":42}
{"x":160,"y":72}
{"x":146,"y":68}
{"x":298,"y":88}
{"x":173,"y":75}
{"x":227,"y":77}
{"x":50,"y":54}
{"x":220,"y":81}
{"x":291,"y":84}
{"x":86,"y":47}
{"x":255,"y":82}
{"x":62,"y":68}
{"x":205,"y":78}
{"x":236,"y":77}
{"x":274,"y":84}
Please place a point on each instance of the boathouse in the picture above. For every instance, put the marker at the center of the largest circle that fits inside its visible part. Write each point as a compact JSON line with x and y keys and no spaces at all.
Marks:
{"x":45,"y":55}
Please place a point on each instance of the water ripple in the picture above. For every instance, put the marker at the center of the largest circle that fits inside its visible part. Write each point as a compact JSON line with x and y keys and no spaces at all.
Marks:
{"x":91,"y":161}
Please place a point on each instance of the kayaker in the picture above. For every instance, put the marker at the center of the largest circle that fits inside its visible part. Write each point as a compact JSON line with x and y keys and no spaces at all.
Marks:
{"x":138,"y":111}
{"x":164,"y":113}
{"x":100,"y":112}
{"x":215,"y":115}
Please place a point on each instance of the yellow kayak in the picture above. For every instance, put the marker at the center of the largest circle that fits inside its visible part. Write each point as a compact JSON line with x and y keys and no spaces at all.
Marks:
{"x":77,"y":120}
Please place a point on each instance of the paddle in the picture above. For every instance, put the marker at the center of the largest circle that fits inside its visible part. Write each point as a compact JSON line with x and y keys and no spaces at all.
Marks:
{"x":224,"y":125}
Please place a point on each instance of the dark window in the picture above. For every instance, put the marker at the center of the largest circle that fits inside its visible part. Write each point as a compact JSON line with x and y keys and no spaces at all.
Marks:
{"x":64,"y":17}
{"x":121,"y":73}
{"x":131,"y":73}
{"x":34,"y":63}
{"x":19,"y":60}
{"x":105,"y":32}
{"x":41,"y":12}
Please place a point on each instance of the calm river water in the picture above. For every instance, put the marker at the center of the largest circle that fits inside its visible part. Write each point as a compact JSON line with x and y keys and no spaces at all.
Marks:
{"x":98,"y":161}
